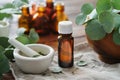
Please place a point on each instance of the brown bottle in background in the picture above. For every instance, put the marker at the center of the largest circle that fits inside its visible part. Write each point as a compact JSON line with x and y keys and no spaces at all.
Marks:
{"x":50,"y":11}
{"x":58,"y":16}
{"x":40,"y":21}
{"x":50,"y":8}
{"x":65,"y":44}
{"x":25,"y":19}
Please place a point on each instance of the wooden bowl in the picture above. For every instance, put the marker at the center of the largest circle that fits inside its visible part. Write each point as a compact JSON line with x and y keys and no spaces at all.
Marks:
{"x":108,"y":51}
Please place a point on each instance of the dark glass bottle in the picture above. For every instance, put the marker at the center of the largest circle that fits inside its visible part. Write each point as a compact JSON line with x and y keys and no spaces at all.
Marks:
{"x":25,"y":19}
{"x":50,"y":11}
{"x":58,"y":16}
{"x":50,"y":8}
{"x":65,"y":44}
{"x":40,"y":21}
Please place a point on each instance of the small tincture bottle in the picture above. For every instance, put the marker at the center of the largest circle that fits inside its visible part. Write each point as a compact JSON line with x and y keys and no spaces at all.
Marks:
{"x":40,"y":20}
{"x":24,"y":19}
{"x":58,"y":16}
{"x":65,"y":44}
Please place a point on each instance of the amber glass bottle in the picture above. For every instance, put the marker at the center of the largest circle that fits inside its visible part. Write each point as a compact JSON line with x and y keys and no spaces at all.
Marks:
{"x":50,"y":8}
{"x":25,"y":19}
{"x":58,"y":16}
{"x":50,"y":11}
{"x":65,"y":44}
{"x":40,"y":21}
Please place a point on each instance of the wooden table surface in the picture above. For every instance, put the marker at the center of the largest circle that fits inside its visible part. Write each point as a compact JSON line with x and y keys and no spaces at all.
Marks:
{"x":72,"y":8}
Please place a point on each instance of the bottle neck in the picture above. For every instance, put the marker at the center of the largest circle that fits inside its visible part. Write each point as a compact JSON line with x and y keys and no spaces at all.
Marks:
{"x":41,"y":9}
{"x":25,"y":11}
{"x":50,"y":4}
{"x":59,"y":9}
{"x":66,"y":35}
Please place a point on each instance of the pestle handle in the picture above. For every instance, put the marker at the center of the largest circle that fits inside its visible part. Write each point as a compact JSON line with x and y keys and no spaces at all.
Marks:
{"x":26,"y":50}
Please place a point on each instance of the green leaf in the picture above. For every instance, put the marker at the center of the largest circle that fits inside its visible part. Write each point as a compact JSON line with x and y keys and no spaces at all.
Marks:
{"x":8,"y":5}
{"x":94,"y":30}
{"x":1,"y":49}
{"x":19,"y":3}
{"x":116,"y":4}
{"x":21,"y":31}
{"x":23,"y":39}
{"x":26,"y":1}
{"x":107,"y":20}
{"x":4,"y":63}
{"x":5,"y":15}
{"x":10,"y":11}
{"x":56,"y":69}
{"x":116,"y":37}
{"x":0,"y":76}
{"x":82,"y":63}
{"x":80,"y":19}
{"x":33,"y":36}
{"x":103,"y":5}
{"x":4,"y":42}
{"x":116,"y":20}
{"x":119,"y":30}
{"x":9,"y":53}
{"x":87,"y":8}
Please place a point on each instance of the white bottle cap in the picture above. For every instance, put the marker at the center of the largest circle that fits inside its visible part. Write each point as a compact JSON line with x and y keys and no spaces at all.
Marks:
{"x":65,"y":27}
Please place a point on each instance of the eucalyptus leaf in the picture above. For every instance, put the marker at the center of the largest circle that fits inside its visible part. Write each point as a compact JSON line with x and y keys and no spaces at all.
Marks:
{"x":116,"y":4}
{"x":0,"y":76}
{"x":107,"y":20}
{"x":19,"y":3}
{"x":81,"y":63}
{"x":10,"y":11}
{"x":26,"y":1}
{"x":5,"y":15}
{"x":7,"y":5}
{"x":21,"y":31}
{"x":23,"y":39}
{"x":103,"y":5}
{"x":116,"y":37}
{"x":56,"y":69}
{"x":4,"y":42}
{"x":119,"y":30}
{"x":33,"y":36}
{"x":4,"y":63}
{"x":80,"y":19}
{"x":87,"y":8}
{"x":94,"y":30}
{"x":1,"y":49}
{"x":116,"y":20}
{"x":9,"y":53}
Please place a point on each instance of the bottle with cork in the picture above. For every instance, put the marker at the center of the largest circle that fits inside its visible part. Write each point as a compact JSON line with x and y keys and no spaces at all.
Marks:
{"x":65,"y":44}
{"x":58,"y":16}
{"x":40,"y":20}
{"x":25,"y":19}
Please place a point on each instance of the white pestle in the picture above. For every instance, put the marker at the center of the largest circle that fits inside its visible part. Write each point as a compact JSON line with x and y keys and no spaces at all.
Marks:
{"x":26,"y":50}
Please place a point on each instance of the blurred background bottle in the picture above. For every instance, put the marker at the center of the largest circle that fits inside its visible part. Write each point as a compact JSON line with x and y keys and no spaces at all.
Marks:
{"x":40,"y":20}
{"x":58,"y":16}
{"x":50,"y":11}
{"x":25,"y":19}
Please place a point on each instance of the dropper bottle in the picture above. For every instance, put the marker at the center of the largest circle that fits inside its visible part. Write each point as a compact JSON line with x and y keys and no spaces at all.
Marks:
{"x":65,"y":44}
